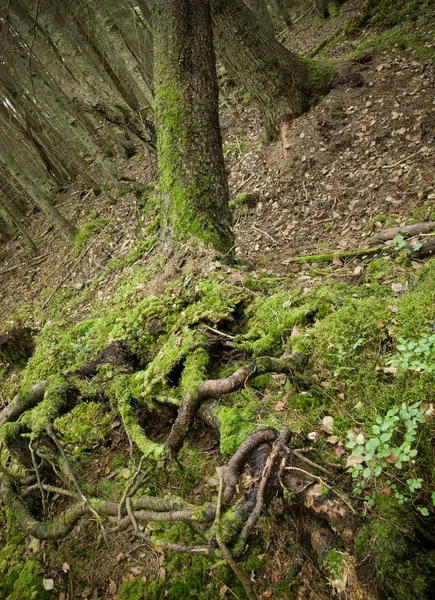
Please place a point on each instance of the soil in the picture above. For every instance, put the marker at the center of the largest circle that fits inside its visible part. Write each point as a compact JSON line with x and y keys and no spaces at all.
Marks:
{"x":362,"y":157}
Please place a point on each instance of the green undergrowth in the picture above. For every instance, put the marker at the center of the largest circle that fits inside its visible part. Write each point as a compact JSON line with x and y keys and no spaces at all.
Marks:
{"x":20,"y":575}
{"x":87,"y":231}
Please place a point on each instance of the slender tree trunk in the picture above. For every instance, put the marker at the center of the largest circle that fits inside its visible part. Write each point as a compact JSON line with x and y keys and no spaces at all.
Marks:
{"x":38,"y":197}
{"x":276,"y":78}
{"x":9,"y":209}
{"x":192,"y":173}
{"x":259,"y":8}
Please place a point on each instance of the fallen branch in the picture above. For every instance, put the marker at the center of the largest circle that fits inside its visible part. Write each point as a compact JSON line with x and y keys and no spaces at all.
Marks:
{"x":312,"y":495}
{"x":389,"y":234}
{"x":360,"y":253}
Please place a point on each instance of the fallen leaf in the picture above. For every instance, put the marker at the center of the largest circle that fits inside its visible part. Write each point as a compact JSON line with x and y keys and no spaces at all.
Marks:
{"x":337,"y":262}
{"x":48,"y":584}
{"x":340,"y":396}
{"x":65,"y":567}
{"x":390,"y":370}
{"x":339,"y":450}
{"x":386,"y":490}
{"x":279,"y":406}
{"x":267,"y":594}
{"x":380,"y":324}
{"x":354,"y":459}
{"x":393,"y":308}
{"x":62,"y":596}
{"x":135,"y":570}
{"x":222,"y":591}
{"x":112,"y":587}
{"x":397,"y":287}
{"x":332,"y":439}
{"x":125,"y":473}
{"x":328,"y":424}
{"x":119,"y":556}
{"x":358,"y":270}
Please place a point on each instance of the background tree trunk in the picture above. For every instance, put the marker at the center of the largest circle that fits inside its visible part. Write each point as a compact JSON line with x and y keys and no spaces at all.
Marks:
{"x":193,"y":180}
{"x":276,"y":78}
{"x":259,"y":8}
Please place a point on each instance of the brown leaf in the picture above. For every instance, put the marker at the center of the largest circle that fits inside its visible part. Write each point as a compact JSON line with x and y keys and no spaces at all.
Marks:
{"x":390,"y":370}
{"x":380,"y":324}
{"x":328,"y":424}
{"x":393,"y":308}
{"x":222,"y":591}
{"x":340,"y":396}
{"x":279,"y":406}
{"x":354,"y":459}
{"x":339,"y":450}
{"x":119,"y":557}
{"x":112,"y":587}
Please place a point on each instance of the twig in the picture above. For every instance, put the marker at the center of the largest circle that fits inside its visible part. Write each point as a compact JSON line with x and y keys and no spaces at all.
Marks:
{"x":38,"y":477}
{"x":310,"y":462}
{"x":128,"y":487}
{"x":203,"y":550}
{"x":52,"y":489}
{"x":34,"y":261}
{"x":231,"y":337}
{"x":265,"y":233}
{"x":241,"y":575}
{"x":401,"y":161}
{"x":242,"y":185}
{"x":131,"y":515}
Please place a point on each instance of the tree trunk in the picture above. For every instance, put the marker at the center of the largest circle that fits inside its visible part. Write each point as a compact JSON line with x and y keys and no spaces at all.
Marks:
{"x":37,"y":195}
{"x":259,"y":8}
{"x":9,"y":209}
{"x":276,"y":78}
{"x":192,"y":173}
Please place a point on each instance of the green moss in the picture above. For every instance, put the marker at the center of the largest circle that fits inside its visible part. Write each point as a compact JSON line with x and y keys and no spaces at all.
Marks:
{"x":388,"y":541}
{"x":22,"y":581}
{"x":236,"y":424}
{"x":55,"y":398}
{"x":85,"y":425}
{"x":133,"y":589}
{"x":396,"y":41}
{"x":319,"y":77}
{"x":87,"y":231}
{"x":189,"y":203}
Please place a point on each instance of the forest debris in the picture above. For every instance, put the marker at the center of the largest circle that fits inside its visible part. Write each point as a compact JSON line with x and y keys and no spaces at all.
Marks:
{"x":416,"y":229}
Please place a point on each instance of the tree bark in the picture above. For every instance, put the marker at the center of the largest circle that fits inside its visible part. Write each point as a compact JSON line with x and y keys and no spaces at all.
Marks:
{"x":276,"y":78}
{"x":259,"y":8}
{"x":39,"y":198}
{"x":192,"y":173}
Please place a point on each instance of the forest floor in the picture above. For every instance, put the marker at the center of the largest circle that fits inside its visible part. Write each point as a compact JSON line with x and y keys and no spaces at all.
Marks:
{"x":358,"y":163}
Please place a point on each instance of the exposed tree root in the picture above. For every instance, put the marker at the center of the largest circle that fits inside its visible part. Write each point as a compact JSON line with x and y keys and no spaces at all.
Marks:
{"x":218,"y":387}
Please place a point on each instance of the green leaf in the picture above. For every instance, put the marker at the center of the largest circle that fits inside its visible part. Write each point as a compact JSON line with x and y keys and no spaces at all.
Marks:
{"x":433,"y":498}
{"x":385,"y":437}
{"x":378,"y":471}
{"x":367,"y":473}
{"x":376,"y":430}
{"x":372,"y":444}
{"x":423,"y":511}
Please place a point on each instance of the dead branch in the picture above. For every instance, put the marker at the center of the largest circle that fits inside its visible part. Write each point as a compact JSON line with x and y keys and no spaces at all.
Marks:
{"x":241,"y":575}
{"x":389,"y":234}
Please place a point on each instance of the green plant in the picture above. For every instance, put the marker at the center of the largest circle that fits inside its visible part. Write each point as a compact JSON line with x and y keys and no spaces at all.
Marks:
{"x":415,"y":355}
{"x":393,"y":443}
